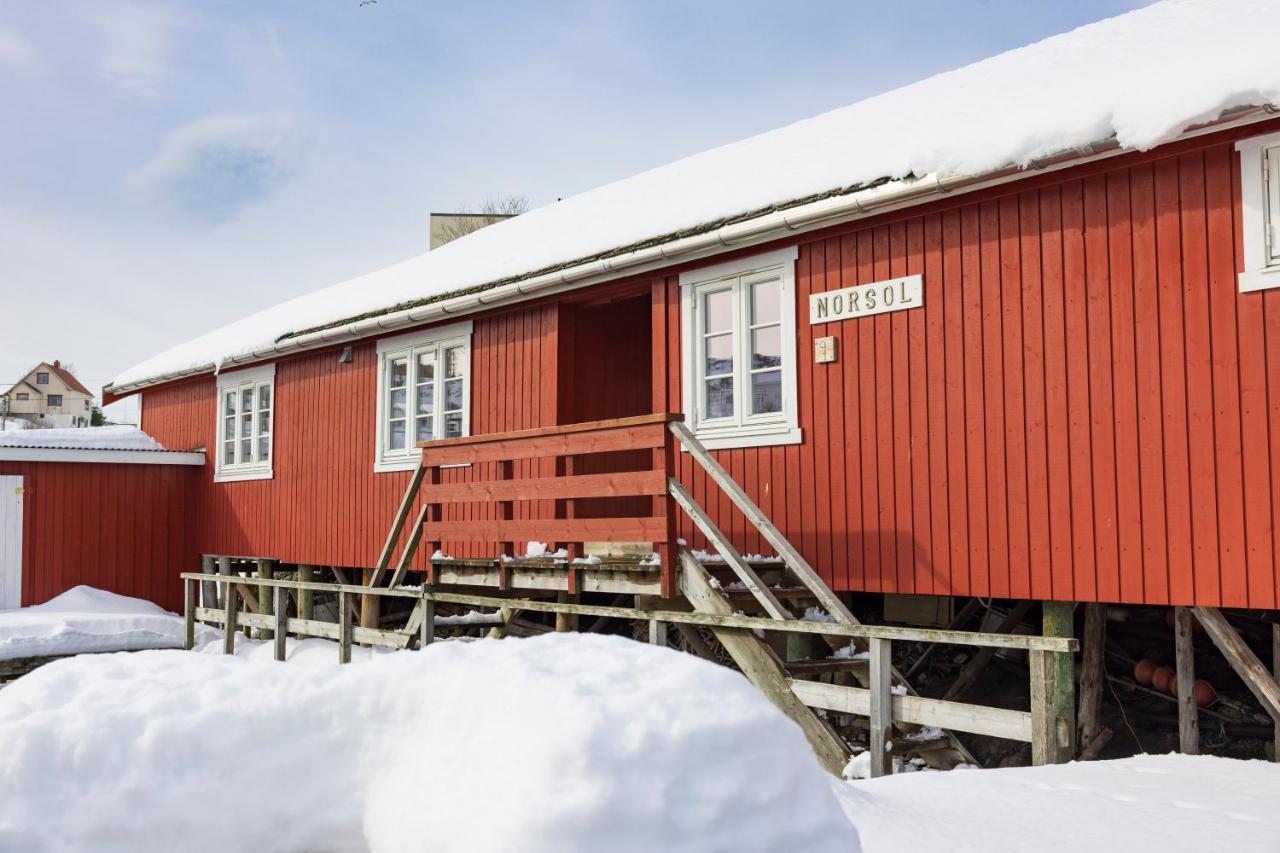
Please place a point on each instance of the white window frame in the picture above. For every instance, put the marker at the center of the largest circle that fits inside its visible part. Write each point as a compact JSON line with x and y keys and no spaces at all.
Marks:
{"x":743,"y":429}
{"x":1260,"y":199}
{"x":408,"y":346}
{"x":237,"y":380}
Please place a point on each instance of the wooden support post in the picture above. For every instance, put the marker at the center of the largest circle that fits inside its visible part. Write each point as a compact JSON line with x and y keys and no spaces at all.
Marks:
{"x":370,"y":605}
{"x":1058,"y":623}
{"x":344,"y":628}
{"x":224,"y":568}
{"x":1242,"y":659}
{"x":264,"y":596}
{"x":281,"y":633}
{"x":188,"y":614}
{"x":1275,"y":671}
{"x":428,"y":628}
{"x":658,"y":633}
{"x":1044,"y":741}
{"x":1092,"y":670}
{"x":229,"y":619}
{"x":1188,"y":710}
{"x":881,"y":688}
{"x":306,"y":610}
{"x":208,"y":589}
{"x":565,"y":622}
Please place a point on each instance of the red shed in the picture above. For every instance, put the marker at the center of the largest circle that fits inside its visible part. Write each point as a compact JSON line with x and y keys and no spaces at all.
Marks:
{"x":1034,"y":358}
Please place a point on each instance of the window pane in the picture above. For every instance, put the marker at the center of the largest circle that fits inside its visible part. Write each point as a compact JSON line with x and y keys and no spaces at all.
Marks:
{"x":398,"y":373}
{"x":766,"y":392}
{"x":426,"y":399}
{"x":246,"y":425}
{"x":228,"y":428}
{"x":395,"y":438}
{"x":246,"y":450}
{"x":452,"y":395}
{"x":246,"y":400}
{"x":229,"y":453}
{"x":719,"y":355}
{"x":424,"y":429}
{"x":397,"y":402}
{"x":720,"y":397}
{"x":264,"y":445}
{"x":426,"y":366}
{"x":766,"y":347}
{"x":718,"y":311}
{"x":766,"y":303}
{"x":453,"y":425}
{"x":264,"y":396}
{"x":264,"y":422}
{"x":230,"y":403}
{"x":453,"y":365}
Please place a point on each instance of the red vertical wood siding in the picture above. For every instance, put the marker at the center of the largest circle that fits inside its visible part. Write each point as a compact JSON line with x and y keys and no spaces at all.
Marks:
{"x":122,"y":528}
{"x":1084,"y":409}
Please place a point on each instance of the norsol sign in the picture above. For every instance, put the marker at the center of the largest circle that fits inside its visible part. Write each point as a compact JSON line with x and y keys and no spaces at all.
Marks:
{"x":863,"y":300}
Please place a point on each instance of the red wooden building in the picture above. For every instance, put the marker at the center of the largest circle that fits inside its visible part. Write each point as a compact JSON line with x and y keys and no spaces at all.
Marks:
{"x":1054,"y":379}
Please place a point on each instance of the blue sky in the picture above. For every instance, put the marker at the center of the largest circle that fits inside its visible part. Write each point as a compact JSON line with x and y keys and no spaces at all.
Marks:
{"x":170,"y":167}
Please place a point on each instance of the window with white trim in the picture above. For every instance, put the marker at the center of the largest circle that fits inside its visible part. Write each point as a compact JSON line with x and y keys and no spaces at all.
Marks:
{"x":739,"y":336}
{"x":424,"y":392}
{"x":1260,"y":199}
{"x":246,"y":423}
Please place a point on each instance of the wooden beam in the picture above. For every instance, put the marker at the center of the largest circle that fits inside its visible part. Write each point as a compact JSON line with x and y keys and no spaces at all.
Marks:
{"x":188,"y":614}
{"x":881,"y":689}
{"x":309,"y":628}
{"x":1242,"y":659}
{"x":344,"y":627}
{"x":208,"y":589}
{"x":410,"y":548}
{"x":566,"y":623}
{"x":224,"y":568}
{"x":370,"y":605}
{"x":428,"y":627}
{"x":621,"y":484}
{"x":1058,"y":622}
{"x":229,"y":619}
{"x":1044,"y":741}
{"x":1188,"y":708}
{"x":725,"y":548}
{"x":978,"y":663}
{"x":761,"y":666}
{"x":280,"y":632}
{"x":917,"y":710}
{"x":657,"y":633}
{"x":397,"y":524}
{"x":265,"y":570}
{"x":306,"y":574}
{"x":556,"y":441}
{"x":968,"y":610}
{"x":1092,"y":668}
{"x":695,"y":644}
{"x":644,"y":529}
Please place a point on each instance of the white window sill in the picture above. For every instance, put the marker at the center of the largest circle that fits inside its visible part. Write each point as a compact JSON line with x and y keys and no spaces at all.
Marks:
{"x":235,"y":476}
{"x":388,"y":466}
{"x":725,"y":440}
{"x":1263,"y":279}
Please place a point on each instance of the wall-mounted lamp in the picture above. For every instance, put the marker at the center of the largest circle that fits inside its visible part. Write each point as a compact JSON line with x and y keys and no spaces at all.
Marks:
{"x":345,"y":358}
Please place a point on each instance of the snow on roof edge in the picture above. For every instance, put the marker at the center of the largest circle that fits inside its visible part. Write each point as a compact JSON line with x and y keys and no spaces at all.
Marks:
{"x":1103,"y":80}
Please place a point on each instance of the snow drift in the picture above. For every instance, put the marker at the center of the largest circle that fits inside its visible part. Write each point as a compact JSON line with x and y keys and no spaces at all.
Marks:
{"x":1143,"y":77}
{"x":561,"y":743}
{"x":117,"y":437}
{"x":85,"y":619}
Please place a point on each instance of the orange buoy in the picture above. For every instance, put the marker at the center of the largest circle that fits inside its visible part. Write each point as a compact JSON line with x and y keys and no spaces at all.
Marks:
{"x":1143,"y":671}
{"x":1162,"y":677}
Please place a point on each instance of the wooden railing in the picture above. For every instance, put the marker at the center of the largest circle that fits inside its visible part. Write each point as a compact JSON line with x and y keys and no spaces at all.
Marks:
{"x":562,"y":489}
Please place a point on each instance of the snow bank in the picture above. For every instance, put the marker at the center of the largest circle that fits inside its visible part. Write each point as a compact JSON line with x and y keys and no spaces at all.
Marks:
{"x":559,"y":743}
{"x":1144,"y":77}
{"x":1149,"y":802}
{"x":85,"y":438}
{"x":85,"y":619}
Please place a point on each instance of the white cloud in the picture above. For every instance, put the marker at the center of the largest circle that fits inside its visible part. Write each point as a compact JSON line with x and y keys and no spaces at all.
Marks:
{"x":138,"y":44}
{"x":18,"y":56}
{"x":214,"y":167}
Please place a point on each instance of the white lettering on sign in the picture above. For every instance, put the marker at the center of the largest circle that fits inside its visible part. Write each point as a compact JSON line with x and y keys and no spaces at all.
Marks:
{"x":863,"y":300}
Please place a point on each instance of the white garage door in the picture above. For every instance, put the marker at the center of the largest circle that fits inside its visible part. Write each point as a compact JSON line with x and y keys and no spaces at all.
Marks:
{"x":10,"y":541}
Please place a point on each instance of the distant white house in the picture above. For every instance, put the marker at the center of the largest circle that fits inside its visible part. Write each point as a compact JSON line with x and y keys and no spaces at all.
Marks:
{"x":48,"y":396}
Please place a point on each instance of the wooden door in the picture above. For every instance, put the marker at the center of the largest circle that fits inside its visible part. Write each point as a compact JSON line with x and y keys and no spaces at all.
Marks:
{"x":10,"y":541}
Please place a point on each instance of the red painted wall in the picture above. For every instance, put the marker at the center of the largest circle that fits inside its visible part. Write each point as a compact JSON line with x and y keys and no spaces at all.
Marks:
{"x":1085,"y":409}
{"x":122,"y":528}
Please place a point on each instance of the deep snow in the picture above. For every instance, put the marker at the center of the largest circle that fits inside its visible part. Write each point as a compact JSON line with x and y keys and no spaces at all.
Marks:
{"x":1144,"y":77}
{"x":85,"y":619}
{"x":560,"y":743}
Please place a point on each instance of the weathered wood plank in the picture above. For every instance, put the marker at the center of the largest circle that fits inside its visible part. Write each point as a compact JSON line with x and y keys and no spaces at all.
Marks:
{"x":1091,"y":671}
{"x":344,"y":628}
{"x":953,"y":716}
{"x":1241,"y":658}
{"x":410,"y":548}
{"x":188,"y":614}
{"x":1188,"y":708}
{"x":230,"y":612}
{"x":1058,"y":622}
{"x":881,"y":711}
{"x":761,"y":666}
{"x":280,"y":630}
{"x":623,"y":484}
{"x":1044,"y":742}
{"x":306,"y":574}
{"x":560,"y":443}
{"x":646,"y":529}
{"x":397,"y":524}
{"x":309,"y":628}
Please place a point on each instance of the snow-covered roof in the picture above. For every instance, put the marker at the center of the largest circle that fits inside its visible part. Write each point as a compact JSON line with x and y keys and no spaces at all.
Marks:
{"x":1140,"y":79}
{"x":117,"y":437}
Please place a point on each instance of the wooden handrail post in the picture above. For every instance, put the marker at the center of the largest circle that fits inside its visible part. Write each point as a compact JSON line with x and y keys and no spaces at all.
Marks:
{"x":281,"y":610}
{"x":881,"y":688}
{"x":1044,"y":723}
{"x":428,"y":622}
{"x":664,"y":459}
{"x":344,"y":628}
{"x":188,"y":614}
{"x":230,"y":595}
